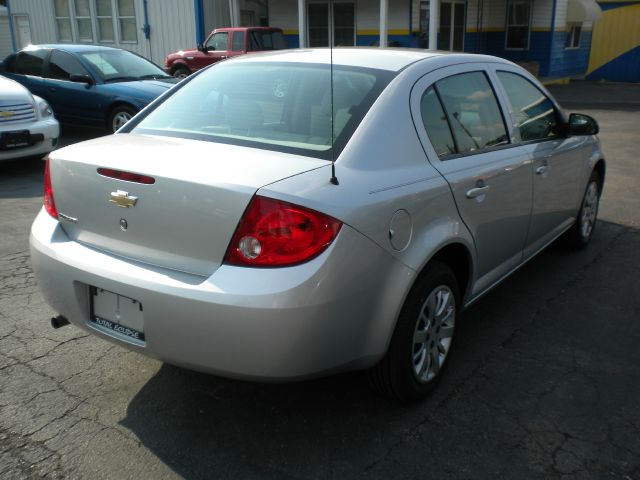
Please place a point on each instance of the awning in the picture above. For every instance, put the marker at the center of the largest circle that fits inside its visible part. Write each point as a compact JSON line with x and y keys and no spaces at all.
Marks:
{"x":583,"y":11}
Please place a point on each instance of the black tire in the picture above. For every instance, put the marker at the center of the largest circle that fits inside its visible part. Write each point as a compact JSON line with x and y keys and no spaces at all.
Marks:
{"x":579,"y":235}
{"x":397,"y":374}
{"x":181,"y":72}
{"x":119,"y":116}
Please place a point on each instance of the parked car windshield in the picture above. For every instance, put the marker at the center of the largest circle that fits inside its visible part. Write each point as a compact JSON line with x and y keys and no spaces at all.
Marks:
{"x":266,"y":40}
{"x":276,"y":106}
{"x":120,"y":65}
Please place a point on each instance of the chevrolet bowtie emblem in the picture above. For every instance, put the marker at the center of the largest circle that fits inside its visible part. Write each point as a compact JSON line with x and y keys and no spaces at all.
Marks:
{"x":123,"y":199}
{"x":7,"y":113}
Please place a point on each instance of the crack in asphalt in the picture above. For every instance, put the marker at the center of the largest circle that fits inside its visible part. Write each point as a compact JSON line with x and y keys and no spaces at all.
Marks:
{"x":463,"y":385}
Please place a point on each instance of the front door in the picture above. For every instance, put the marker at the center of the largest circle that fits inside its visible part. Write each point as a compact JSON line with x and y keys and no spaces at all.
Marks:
{"x":452,"y":25}
{"x":331,"y":24}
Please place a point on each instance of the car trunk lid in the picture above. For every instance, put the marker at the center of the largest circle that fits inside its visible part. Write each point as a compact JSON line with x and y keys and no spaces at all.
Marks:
{"x":185,"y":219}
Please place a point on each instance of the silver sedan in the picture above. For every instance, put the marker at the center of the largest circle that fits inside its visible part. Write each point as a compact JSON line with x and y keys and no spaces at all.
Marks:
{"x":294,"y":214}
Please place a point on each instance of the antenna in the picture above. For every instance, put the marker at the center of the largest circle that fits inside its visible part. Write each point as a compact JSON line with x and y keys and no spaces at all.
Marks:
{"x":333,"y":179}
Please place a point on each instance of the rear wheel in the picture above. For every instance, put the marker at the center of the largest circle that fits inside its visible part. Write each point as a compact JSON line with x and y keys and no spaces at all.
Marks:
{"x":422,"y":339}
{"x":119,"y":116}
{"x":579,"y":235}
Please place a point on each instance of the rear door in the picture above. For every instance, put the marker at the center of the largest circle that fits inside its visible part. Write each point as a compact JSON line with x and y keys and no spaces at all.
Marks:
{"x":460,"y":122}
{"x":557,"y":160}
{"x":27,"y":69}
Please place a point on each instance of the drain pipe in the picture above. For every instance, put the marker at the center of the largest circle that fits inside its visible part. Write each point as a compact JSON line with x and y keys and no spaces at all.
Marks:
{"x":59,"y":321}
{"x":12,"y":32}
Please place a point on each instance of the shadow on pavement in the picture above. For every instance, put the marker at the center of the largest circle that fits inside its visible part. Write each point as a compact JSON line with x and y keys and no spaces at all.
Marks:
{"x":533,"y":370}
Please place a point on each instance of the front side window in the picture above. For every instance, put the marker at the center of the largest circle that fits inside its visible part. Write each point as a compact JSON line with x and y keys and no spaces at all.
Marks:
{"x":127,"y":21}
{"x":218,"y":41}
{"x":518,"y":25}
{"x":473,"y":112}
{"x":274,"y":106}
{"x":533,"y":113}
{"x":63,"y":20}
{"x":83,"y":20}
{"x":62,"y":65}
{"x":30,"y":62}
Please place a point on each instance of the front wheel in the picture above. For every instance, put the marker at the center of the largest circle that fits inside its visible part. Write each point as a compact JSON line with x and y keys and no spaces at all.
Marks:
{"x":422,"y":339}
{"x":119,"y":116}
{"x":181,"y":72}
{"x":579,"y":235}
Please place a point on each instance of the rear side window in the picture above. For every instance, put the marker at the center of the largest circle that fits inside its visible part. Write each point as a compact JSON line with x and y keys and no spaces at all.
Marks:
{"x":237,"y":42}
{"x":30,"y":62}
{"x":267,"y":40}
{"x":473,"y":112}
{"x":533,"y":113}
{"x":62,"y":65}
{"x":435,"y":123}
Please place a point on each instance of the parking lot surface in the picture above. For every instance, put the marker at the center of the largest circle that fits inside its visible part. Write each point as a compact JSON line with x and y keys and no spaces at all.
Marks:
{"x":544,"y":383}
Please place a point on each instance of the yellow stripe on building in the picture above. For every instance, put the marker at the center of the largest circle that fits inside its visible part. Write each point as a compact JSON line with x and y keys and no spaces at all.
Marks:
{"x":617,"y":32}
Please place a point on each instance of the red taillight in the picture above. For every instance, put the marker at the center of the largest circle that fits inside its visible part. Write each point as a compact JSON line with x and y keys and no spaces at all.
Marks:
{"x":49,"y":202}
{"x":126,"y":176}
{"x":273,"y":233}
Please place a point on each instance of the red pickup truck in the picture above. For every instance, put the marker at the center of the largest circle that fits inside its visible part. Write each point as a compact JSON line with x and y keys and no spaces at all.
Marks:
{"x":224,"y":43}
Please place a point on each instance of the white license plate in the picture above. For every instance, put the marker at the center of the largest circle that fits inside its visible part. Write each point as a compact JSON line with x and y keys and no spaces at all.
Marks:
{"x":115,"y":313}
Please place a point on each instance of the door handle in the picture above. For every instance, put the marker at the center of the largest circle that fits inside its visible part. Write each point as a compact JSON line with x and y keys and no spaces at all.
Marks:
{"x":477,"y":191}
{"x":542,"y":169}
{"x":52,"y":89}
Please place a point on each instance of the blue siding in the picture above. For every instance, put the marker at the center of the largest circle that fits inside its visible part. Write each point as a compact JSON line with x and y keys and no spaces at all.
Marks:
{"x":293,"y":41}
{"x":567,"y":62}
{"x":492,"y":43}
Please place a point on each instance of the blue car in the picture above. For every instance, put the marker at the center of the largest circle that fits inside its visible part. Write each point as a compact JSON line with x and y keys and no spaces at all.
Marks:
{"x":88,"y":84}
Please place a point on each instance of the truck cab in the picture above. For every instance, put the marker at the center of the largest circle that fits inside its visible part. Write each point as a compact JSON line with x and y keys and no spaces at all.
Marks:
{"x":223,"y":43}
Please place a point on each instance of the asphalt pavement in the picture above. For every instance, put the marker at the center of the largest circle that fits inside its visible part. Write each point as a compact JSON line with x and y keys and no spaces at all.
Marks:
{"x":544,"y":382}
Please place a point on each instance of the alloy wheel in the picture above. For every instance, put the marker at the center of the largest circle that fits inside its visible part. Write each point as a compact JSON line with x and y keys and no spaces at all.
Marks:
{"x":433,"y":333}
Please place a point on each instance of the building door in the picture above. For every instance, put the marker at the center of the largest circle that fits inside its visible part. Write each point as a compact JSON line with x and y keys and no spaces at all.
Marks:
{"x":452,"y":25}
{"x":23,"y":30}
{"x":331,"y":23}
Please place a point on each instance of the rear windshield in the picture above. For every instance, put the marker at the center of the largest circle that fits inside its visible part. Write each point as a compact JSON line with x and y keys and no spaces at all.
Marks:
{"x":276,"y":106}
{"x":266,"y":40}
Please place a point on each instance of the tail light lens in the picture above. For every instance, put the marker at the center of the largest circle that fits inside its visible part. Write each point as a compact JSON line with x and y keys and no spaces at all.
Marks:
{"x":49,"y":202}
{"x":273,"y":233}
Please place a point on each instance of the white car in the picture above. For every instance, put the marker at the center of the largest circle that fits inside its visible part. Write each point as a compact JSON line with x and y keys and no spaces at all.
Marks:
{"x":28,"y":127}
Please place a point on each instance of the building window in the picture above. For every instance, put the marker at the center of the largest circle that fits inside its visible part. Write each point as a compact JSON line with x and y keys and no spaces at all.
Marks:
{"x":127,"y":21}
{"x":518,"y":25}
{"x":573,"y":39}
{"x":83,"y":20}
{"x":104,"y":14}
{"x":63,"y":20}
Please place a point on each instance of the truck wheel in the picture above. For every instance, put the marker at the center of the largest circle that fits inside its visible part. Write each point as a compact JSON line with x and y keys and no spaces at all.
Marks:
{"x":181,"y":72}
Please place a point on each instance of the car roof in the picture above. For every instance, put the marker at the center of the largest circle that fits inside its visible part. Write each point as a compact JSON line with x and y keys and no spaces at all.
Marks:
{"x":392,"y":59}
{"x":70,"y":47}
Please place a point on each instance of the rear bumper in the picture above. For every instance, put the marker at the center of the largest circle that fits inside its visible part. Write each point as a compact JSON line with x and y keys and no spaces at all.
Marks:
{"x":49,"y":128}
{"x":336,"y":312}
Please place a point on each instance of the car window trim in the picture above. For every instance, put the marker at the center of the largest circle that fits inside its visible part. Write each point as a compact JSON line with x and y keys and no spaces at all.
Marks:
{"x":454,"y":156}
{"x":556,"y":107}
